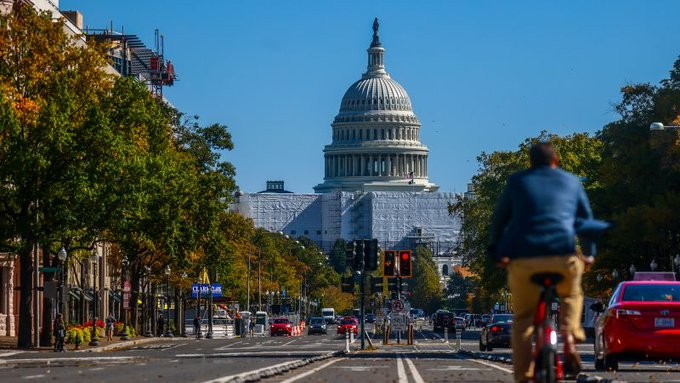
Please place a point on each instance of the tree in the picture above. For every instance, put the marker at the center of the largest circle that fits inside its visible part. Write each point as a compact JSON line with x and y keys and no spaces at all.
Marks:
{"x":457,"y":290}
{"x":49,"y":92}
{"x":579,"y":153}
{"x":426,"y":291}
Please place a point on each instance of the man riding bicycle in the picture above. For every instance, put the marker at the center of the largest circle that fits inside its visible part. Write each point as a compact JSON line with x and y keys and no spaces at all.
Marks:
{"x":534,"y":231}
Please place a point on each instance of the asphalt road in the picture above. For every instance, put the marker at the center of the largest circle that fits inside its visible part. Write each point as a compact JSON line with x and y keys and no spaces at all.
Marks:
{"x":303,"y":359}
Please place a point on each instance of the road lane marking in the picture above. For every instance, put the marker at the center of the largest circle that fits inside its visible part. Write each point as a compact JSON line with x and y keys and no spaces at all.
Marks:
{"x":34,"y":376}
{"x":414,"y":371}
{"x":401,"y":372}
{"x":286,"y":344}
{"x":310,"y":372}
{"x":9,"y":353}
{"x":491,"y":365}
{"x":228,"y":345}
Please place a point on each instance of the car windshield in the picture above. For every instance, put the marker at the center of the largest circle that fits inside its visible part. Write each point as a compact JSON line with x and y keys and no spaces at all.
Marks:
{"x":317,"y":321}
{"x":502,"y":319}
{"x":281,"y":321}
{"x":652,"y":293}
{"x":347,"y":321}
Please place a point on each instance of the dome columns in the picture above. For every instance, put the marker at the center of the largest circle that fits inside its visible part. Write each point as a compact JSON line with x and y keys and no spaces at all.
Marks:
{"x":376,"y":165}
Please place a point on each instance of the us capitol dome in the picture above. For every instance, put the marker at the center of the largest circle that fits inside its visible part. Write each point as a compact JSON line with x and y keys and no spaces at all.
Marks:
{"x":376,"y":136}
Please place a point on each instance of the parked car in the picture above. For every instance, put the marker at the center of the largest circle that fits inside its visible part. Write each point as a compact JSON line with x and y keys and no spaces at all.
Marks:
{"x":443,"y":319}
{"x":317,"y":325}
{"x":459,"y":323}
{"x":281,"y":326}
{"x":641,"y":321}
{"x":348,"y":324}
{"x":496,"y":333}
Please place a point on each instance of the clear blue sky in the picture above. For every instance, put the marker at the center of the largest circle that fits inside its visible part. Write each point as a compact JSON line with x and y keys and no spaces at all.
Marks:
{"x":481,"y":75}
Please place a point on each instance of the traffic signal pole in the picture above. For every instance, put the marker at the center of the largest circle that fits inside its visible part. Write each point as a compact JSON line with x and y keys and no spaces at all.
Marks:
{"x":363,"y":310}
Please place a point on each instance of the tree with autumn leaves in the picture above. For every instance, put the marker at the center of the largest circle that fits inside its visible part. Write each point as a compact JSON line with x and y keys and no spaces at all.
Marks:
{"x":88,"y":158}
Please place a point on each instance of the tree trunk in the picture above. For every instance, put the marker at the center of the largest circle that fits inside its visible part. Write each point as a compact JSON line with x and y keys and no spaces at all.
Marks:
{"x":133,"y":301}
{"x":24,"y":341}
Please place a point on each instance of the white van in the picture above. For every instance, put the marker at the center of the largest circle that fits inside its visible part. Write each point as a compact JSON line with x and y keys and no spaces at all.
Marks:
{"x":328,"y":313}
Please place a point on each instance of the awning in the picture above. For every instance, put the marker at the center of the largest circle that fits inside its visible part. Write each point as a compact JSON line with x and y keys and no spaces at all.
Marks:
{"x":88,"y":296}
{"x":115,"y":296}
{"x":75,"y":294}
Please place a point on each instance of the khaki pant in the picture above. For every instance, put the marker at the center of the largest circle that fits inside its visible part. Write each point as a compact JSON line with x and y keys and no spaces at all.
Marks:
{"x":525,"y":296}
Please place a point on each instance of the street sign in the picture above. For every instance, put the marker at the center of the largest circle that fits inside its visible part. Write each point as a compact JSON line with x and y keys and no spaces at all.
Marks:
{"x":48,"y":269}
{"x":398,"y":322}
{"x":206,"y":290}
{"x":397,"y":306}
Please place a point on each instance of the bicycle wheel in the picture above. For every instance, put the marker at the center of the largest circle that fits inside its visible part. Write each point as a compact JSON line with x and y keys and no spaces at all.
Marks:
{"x":544,"y":368}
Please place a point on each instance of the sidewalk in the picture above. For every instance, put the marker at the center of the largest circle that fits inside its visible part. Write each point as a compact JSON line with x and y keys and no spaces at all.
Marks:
{"x":10,"y":343}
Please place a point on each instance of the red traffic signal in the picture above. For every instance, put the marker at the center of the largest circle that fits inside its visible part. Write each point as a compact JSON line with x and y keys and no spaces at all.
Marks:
{"x":405,"y":264}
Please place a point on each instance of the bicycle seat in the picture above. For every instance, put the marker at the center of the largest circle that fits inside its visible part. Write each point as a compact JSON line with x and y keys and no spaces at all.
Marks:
{"x":547,"y":279}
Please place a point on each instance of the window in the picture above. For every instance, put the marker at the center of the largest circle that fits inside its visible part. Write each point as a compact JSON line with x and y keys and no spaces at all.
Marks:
{"x":293,"y":232}
{"x":445,"y":270}
{"x":306,"y":232}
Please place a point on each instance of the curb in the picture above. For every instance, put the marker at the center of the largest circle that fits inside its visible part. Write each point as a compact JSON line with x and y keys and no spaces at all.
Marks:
{"x":127,"y":343}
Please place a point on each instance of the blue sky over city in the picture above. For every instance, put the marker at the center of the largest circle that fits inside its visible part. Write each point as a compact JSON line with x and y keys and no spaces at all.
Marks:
{"x":481,"y":75}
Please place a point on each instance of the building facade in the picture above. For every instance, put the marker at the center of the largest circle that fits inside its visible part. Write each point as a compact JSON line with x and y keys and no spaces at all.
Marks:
{"x":375,"y":182}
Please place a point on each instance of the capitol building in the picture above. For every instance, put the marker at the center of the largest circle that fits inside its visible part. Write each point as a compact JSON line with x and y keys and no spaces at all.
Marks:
{"x":375,"y":181}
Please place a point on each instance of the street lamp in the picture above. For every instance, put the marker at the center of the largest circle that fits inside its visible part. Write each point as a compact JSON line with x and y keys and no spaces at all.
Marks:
{"x":182,"y":317}
{"x":653,"y":265}
{"x":95,"y":340}
{"x":148,"y":302}
{"x":615,"y":274}
{"x":677,"y":260}
{"x":659,"y":126}
{"x":168,"y":334}
{"x":632,"y":270}
{"x":599,"y":277}
{"x":125,"y":263}
{"x":61,"y":256}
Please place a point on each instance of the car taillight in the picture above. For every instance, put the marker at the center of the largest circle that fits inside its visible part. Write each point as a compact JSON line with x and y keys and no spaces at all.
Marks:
{"x":623,"y":313}
{"x":496,"y":329}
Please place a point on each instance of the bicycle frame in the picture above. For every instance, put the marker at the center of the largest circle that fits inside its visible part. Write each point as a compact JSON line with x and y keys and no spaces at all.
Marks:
{"x":547,"y":363}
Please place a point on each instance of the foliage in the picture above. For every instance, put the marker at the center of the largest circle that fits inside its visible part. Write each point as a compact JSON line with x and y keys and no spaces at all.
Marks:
{"x":579,"y":153}
{"x":458,"y":288}
{"x":426,"y":291}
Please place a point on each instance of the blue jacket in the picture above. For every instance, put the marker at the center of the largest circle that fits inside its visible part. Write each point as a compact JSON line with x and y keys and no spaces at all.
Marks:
{"x":536,"y":214}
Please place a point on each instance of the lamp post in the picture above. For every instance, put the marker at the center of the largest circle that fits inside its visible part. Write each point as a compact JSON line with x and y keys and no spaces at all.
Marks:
{"x":182,"y":315}
{"x":95,"y":340}
{"x":632,"y":270}
{"x":653,"y":265}
{"x":147,"y":301}
{"x":677,"y":261}
{"x":168,"y":334}
{"x":61,"y":256}
{"x":615,"y":274}
{"x":123,"y":275}
{"x":599,"y":278}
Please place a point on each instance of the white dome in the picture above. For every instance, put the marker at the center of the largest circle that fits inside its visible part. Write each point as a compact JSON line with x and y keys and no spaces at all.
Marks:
{"x":375,"y":93}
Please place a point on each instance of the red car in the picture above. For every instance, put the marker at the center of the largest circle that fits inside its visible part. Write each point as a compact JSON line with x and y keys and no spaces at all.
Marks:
{"x":348,"y":324}
{"x":281,"y":326}
{"x":642,"y":321}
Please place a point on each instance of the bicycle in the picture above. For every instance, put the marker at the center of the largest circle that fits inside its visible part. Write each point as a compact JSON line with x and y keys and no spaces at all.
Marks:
{"x":547,"y":363}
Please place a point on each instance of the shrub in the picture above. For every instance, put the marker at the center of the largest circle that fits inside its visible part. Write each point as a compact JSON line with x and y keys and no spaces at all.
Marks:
{"x":118,"y":328}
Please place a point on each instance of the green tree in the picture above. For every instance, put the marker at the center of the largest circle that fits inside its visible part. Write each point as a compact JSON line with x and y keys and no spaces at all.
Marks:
{"x":579,"y":153}
{"x":426,"y":291}
{"x":457,"y":290}
{"x":49,"y":97}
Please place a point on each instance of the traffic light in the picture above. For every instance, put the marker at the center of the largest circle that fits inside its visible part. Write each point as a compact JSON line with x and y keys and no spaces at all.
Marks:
{"x":350,"y":254}
{"x":347,"y":285}
{"x":388,"y":263}
{"x":405,"y":263}
{"x":371,"y":254}
{"x":358,"y":255}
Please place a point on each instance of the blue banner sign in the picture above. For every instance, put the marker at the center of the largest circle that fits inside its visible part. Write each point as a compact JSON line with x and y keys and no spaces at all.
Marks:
{"x":205,"y":289}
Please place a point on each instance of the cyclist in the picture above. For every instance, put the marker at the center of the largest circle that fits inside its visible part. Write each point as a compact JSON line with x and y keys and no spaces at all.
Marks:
{"x":533,"y":231}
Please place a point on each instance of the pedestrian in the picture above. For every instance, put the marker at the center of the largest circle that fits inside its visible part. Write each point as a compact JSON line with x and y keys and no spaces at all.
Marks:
{"x":533,"y":231}
{"x":251,"y":328}
{"x":160,"y":325}
{"x":59,"y":333}
{"x":197,"y":326}
{"x":110,"y":322}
